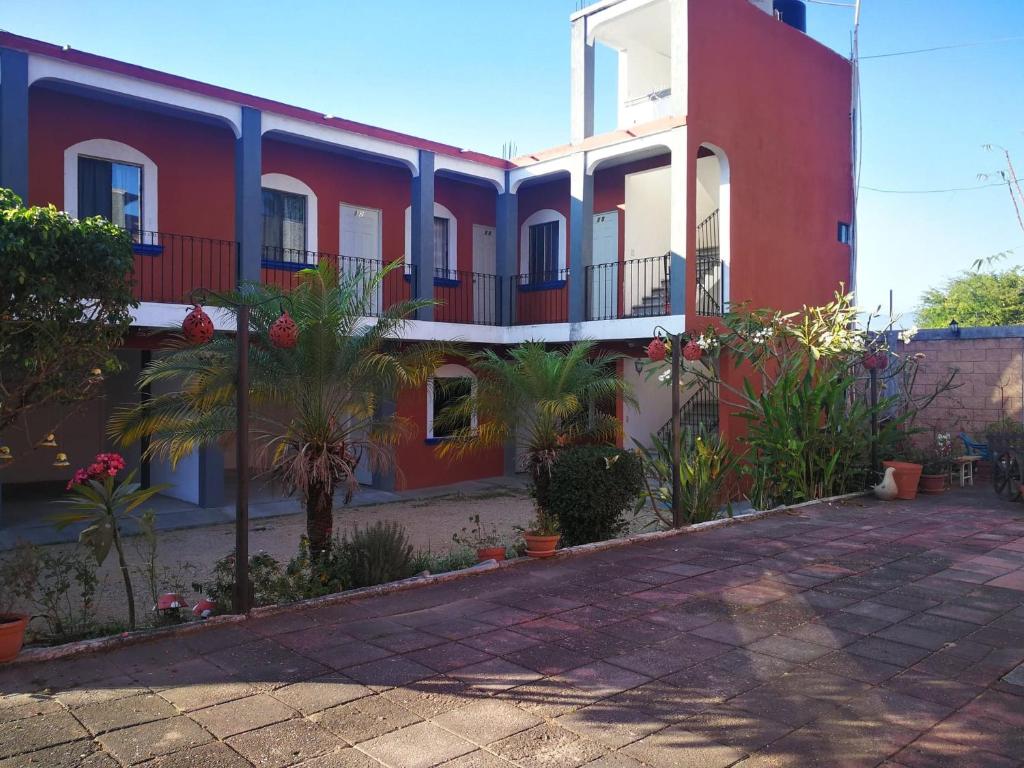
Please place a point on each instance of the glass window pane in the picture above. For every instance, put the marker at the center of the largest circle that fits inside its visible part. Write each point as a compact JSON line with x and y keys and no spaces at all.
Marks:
{"x":126,"y":196}
{"x":284,"y":225}
{"x":441,"y":246}
{"x":447,"y":391}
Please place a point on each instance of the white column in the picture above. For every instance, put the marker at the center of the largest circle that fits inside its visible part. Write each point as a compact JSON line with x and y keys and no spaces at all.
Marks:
{"x":582,"y":74}
{"x":681,"y":223}
{"x":680,"y":51}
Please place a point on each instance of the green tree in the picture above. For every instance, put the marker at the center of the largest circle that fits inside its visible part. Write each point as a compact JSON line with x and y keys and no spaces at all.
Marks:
{"x":975,"y":299}
{"x":315,"y":409}
{"x":65,"y":305}
{"x":549,"y":398}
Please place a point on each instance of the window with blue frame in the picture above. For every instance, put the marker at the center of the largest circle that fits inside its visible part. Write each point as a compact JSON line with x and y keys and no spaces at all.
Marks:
{"x":442,"y":264}
{"x":111,"y":190}
{"x":543,"y":252}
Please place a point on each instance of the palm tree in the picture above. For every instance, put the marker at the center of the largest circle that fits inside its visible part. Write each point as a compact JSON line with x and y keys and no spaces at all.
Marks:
{"x":315,"y":408}
{"x":549,"y":398}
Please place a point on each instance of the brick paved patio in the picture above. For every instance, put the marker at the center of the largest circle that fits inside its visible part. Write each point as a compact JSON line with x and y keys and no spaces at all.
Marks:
{"x":853,"y":635}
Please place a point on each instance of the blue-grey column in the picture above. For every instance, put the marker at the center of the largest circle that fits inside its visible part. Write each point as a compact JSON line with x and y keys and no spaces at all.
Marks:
{"x":506,"y":232}
{"x":384,"y":479}
{"x":422,"y":235}
{"x":14,"y":121}
{"x":249,"y":195}
{"x":211,"y":477}
{"x":681,"y":223}
{"x":581,"y":237}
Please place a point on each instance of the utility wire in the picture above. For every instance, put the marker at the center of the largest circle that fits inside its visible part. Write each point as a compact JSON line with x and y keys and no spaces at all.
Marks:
{"x":933,"y":191}
{"x":944,"y":48}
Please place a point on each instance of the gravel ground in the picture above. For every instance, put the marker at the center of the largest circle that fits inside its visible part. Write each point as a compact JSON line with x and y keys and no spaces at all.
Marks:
{"x":188,"y":555}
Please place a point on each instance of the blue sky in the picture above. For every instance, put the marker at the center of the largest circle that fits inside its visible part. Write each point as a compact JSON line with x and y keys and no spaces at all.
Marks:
{"x":479,"y":74}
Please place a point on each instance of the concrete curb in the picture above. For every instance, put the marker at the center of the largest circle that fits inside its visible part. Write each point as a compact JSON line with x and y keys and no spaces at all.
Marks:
{"x":81,"y":647}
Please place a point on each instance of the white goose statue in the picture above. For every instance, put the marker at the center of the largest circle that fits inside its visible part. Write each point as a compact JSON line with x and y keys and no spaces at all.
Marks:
{"x":886,"y":490}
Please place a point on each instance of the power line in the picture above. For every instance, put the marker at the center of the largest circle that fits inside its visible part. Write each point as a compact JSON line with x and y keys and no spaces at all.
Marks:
{"x":944,"y":47}
{"x":933,"y":191}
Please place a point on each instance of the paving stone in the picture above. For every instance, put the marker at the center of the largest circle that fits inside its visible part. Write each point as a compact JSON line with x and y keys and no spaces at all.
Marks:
{"x":929,"y":752}
{"x":735,"y":728}
{"x":546,"y":658}
{"x":20,"y":706}
{"x":365,"y":719}
{"x":548,"y":745}
{"x":547,"y":698}
{"x":347,"y":757}
{"x":142,"y":742}
{"x":887,"y":651}
{"x":75,"y":754}
{"x":504,"y":616}
{"x":981,"y":733}
{"x":223,"y":720}
{"x":615,"y":760}
{"x":103,"y":690}
{"x":500,"y":642}
{"x":284,"y":744}
{"x":321,"y":692}
{"x":213,"y":755}
{"x":389,"y":672}
{"x":602,"y":678}
{"x":449,"y":656}
{"x":857,"y":667}
{"x":267,"y":664}
{"x":348,"y":653}
{"x":418,"y":746}
{"x":32,"y":733}
{"x":675,"y":747}
{"x":196,"y":683}
{"x":487,"y":720}
{"x":495,"y":675}
{"x":433,"y":696}
{"x":120,"y":713}
{"x":611,"y":723}
{"x":789,"y":648}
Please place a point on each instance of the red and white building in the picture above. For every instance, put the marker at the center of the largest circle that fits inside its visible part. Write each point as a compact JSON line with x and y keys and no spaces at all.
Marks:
{"x":727,"y":180}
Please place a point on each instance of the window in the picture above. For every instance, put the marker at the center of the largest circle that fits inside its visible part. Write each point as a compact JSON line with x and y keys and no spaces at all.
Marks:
{"x":111,"y":190}
{"x":449,"y":384}
{"x":284,"y":225}
{"x":442,"y":267}
{"x":543,"y":252}
{"x":843,"y":233}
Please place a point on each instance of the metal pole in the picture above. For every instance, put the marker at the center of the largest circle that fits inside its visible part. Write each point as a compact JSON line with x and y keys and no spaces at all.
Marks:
{"x":874,"y":419}
{"x":241,"y":596}
{"x":677,"y":512}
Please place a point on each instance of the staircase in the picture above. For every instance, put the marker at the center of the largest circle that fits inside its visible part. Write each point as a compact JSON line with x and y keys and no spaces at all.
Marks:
{"x":654,"y":303}
{"x":701,"y":409}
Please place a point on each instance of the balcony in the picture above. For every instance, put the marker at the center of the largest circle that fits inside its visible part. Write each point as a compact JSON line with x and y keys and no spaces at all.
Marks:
{"x":467,"y":297}
{"x":633,"y":288}
{"x":539,"y":298}
{"x":168,"y":267}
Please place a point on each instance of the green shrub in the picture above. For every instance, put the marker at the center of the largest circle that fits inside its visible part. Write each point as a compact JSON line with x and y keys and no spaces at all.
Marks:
{"x":325,"y":574}
{"x":456,"y":560}
{"x":268,"y":584}
{"x":591,"y":488}
{"x":378,"y":554}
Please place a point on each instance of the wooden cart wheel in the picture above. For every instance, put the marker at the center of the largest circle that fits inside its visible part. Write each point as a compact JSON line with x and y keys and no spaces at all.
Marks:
{"x":1006,"y":477}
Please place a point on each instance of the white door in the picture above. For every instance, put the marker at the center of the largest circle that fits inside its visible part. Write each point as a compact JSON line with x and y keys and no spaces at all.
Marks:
{"x":360,"y":246}
{"x":485,"y":283}
{"x":604,"y":277}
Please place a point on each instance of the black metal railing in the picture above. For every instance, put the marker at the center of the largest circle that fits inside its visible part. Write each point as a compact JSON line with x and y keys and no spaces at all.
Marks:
{"x":467,"y":297}
{"x":539,"y":297}
{"x":281,"y":268}
{"x":710,"y":286}
{"x":700,"y":410}
{"x":633,"y":288}
{"x":168,"y":266}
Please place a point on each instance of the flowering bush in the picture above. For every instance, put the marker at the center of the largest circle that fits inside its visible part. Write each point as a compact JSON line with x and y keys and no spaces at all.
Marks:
{"x":104,"y":465}
{"x":936,"y":457}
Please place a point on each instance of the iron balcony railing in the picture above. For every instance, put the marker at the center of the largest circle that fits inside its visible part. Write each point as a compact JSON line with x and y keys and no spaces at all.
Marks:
{"x":536,"y":298}
{"x":281,"y":268}
{"x":710,"y":286}
{"x":699,"y":411}
{"x":467,"y":297}
{"x":633,"y":288}
{"x":168,"y":267}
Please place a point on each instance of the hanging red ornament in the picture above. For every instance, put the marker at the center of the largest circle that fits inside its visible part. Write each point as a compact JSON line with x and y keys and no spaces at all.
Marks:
{"x":657,"y":350}
{"x":197,"y":326}
{"x":876,"y":361}
{"x":692,"y":351}
{"x":284,"y":333}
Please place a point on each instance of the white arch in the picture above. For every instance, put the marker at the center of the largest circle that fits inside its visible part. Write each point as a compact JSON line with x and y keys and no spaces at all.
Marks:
{"x":282,"y":182}
{"x":724,"y":217}
{"x":453,"y":231}
{"x":108,"y":149}
{"x":542,"y":216}
{"x":448,"y":371}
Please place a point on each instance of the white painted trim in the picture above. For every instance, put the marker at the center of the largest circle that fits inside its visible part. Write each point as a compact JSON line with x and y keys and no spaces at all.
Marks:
{"x":495,"y":176}
{"x":45,"y":68}
{"x":282,"y":182}
{"x":108,"y":149}
{"x":448,"y":371}
{"x":724,"y":217}
{"x":543,"y":216}
{"x":453,"y":232}
{"x":643,"y":144}
{"x":342,"y":138}
{"x":563,"y":164}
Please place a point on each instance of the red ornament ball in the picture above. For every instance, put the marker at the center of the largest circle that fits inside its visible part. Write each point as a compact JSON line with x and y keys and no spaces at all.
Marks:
{"x":197,"y":327}
{"x":692,"y":351}
{"x":876,"y":361}
{"x":284,"y":333}
{"x":657,"y":350}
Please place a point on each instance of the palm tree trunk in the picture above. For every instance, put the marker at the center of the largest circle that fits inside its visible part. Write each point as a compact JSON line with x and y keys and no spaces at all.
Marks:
{"x":319,"y":517}
{"x":129,"y":592}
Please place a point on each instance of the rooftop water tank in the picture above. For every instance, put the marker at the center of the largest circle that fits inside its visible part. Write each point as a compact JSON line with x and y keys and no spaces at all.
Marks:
{"x":792,"y":12}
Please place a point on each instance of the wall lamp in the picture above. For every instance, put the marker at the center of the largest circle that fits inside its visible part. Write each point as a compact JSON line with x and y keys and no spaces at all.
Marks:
{"x":638,"y":365}
{"x":954,"y":328}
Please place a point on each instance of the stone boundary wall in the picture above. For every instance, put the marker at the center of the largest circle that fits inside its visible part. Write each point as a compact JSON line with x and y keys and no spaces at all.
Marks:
{"x":990,"y":362}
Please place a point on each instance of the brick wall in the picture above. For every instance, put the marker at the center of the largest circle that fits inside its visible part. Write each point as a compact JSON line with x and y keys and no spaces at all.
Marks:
{"x":990,"y":362}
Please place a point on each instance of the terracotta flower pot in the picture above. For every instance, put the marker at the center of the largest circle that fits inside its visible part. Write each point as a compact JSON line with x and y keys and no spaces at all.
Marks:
{"x":490,"y":553}
{"x":12,"y":634}
{"x":907,"y":476}
{"x":540,"y":546}
{"x":932,"y":483}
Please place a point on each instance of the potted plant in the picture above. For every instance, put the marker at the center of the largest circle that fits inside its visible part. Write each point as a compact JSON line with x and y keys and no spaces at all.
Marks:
{"x":487,"y":544}
{"x":17,"y":575}
{"x":906,"y":469}
{"x":935,"y":464}
{"x":542,"y":535}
